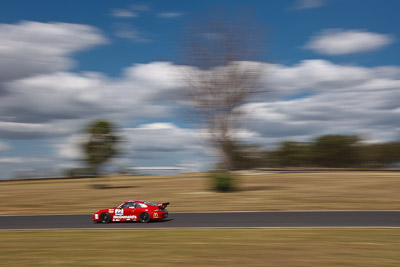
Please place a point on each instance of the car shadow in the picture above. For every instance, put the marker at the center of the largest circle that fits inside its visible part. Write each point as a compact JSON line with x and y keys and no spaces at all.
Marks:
{"x":155,"y":221}
{"x":161,"y":221}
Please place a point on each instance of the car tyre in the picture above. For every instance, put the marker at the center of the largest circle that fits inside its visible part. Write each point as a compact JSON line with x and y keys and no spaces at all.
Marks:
{"x":144,"y":217}
{"x":105,"y":217}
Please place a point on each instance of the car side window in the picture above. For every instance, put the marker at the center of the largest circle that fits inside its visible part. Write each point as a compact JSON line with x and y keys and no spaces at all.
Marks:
{"x":128,"y":205}
{"x":124,"y":206}
{"x":132,"y":205}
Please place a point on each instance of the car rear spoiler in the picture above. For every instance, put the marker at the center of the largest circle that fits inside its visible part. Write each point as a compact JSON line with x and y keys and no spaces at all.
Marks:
{"x":162,"y":205}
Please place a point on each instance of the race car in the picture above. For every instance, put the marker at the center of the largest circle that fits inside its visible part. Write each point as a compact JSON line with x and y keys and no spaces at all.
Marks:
{"x":132,"y":210}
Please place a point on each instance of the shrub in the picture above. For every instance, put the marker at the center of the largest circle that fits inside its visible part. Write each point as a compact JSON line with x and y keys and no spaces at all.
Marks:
{"x":222,"y":180}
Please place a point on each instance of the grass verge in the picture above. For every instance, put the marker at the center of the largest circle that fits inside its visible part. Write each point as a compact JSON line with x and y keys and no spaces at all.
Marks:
{"x":252,"y":247}
{"x":190,"y":192}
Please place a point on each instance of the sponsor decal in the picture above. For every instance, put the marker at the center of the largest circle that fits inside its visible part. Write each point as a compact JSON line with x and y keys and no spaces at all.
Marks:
{"x":111,"y":210}
{"x":125,"y":217}
{"x":96,"y":216}
{"x":155,"y":215}
{"x":119,"y":212}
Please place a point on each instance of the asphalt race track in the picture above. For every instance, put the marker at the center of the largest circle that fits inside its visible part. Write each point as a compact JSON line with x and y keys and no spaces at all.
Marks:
{"x":215,"y":220}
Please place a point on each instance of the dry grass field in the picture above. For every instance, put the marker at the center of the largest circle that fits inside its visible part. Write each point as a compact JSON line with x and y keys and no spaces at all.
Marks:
{"x":190,"y":192}
{"x":221,"y":247}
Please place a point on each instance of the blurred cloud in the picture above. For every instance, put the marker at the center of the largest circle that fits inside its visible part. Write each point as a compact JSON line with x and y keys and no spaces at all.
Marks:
{"x":126,"y":31}
{"x":59,"y":103}
{"x":42,"y":99}
{"x":32,"y":130}
{"x":19,"y":160}
{"x":169,"y":15}
{"x":30,"y":48}
{"x":322,"y":75}
{"x":344,"y":99}
{"x":168,"y":144}
{"x":340,"y":42}
{"x":123,"y":13}
{"x":158,"y":137}
{"x":148,"y":145}
{"x":4,"y":147}
{"x":310,"y":98}
{"x":308,"y":4}
{"x":163,"y":137}
{"x":70,"y":147}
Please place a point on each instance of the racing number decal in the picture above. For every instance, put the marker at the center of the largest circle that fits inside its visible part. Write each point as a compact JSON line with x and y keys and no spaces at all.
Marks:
{"x":119,"y":212}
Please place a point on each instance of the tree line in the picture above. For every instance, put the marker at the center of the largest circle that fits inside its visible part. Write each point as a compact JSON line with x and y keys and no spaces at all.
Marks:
{"x":331,"y":151}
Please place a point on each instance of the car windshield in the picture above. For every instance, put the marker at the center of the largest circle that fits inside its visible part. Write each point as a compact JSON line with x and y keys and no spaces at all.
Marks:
{"x":149,"y":203}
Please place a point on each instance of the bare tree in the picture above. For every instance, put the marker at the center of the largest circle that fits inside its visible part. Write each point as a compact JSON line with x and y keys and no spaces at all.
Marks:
{"x":221,"y":77}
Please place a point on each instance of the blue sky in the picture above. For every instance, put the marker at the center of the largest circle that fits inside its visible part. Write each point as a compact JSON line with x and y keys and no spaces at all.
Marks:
{"x":333,"y":66}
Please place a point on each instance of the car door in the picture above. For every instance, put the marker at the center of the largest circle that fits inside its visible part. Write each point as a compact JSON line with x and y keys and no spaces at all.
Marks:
{"x":130,"y":211}
{"x":137,"y":210}
{"x":125,"y":212}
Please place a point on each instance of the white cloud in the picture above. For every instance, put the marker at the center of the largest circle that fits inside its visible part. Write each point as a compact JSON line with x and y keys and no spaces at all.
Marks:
{"x":344,"y":100}
{"x":4,"y":146}
{"x":126,"y":31}
{"x":12,"y":160}
{"x":311,"y":98}
{"x":322,"y":75}
{"x":157,"y":137}
{"x":123,"y":13}
{"x":308,"y":4}
{"x":340,"y":42}
{"x":317,"y":97}
{"x":150,"y":144}
{"x":70,"y":147}
{"x":29,"y":48}
{"x":169,"y":15}
{"x":369,"y":114}
{"x":21,"y":160}
{"x":60,"y":103}
{"x":166,"y":144}
{"x":314,"y":92}
{"x":163,"y":137}
{"x":27,"y":130}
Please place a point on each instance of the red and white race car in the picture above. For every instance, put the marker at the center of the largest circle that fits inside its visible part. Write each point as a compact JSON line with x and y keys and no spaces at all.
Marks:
{"x":133,"y":210}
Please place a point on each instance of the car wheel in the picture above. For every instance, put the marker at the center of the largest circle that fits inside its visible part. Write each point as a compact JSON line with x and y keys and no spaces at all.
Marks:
{"x":105,"y":217}
{"x":144,"y":217}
